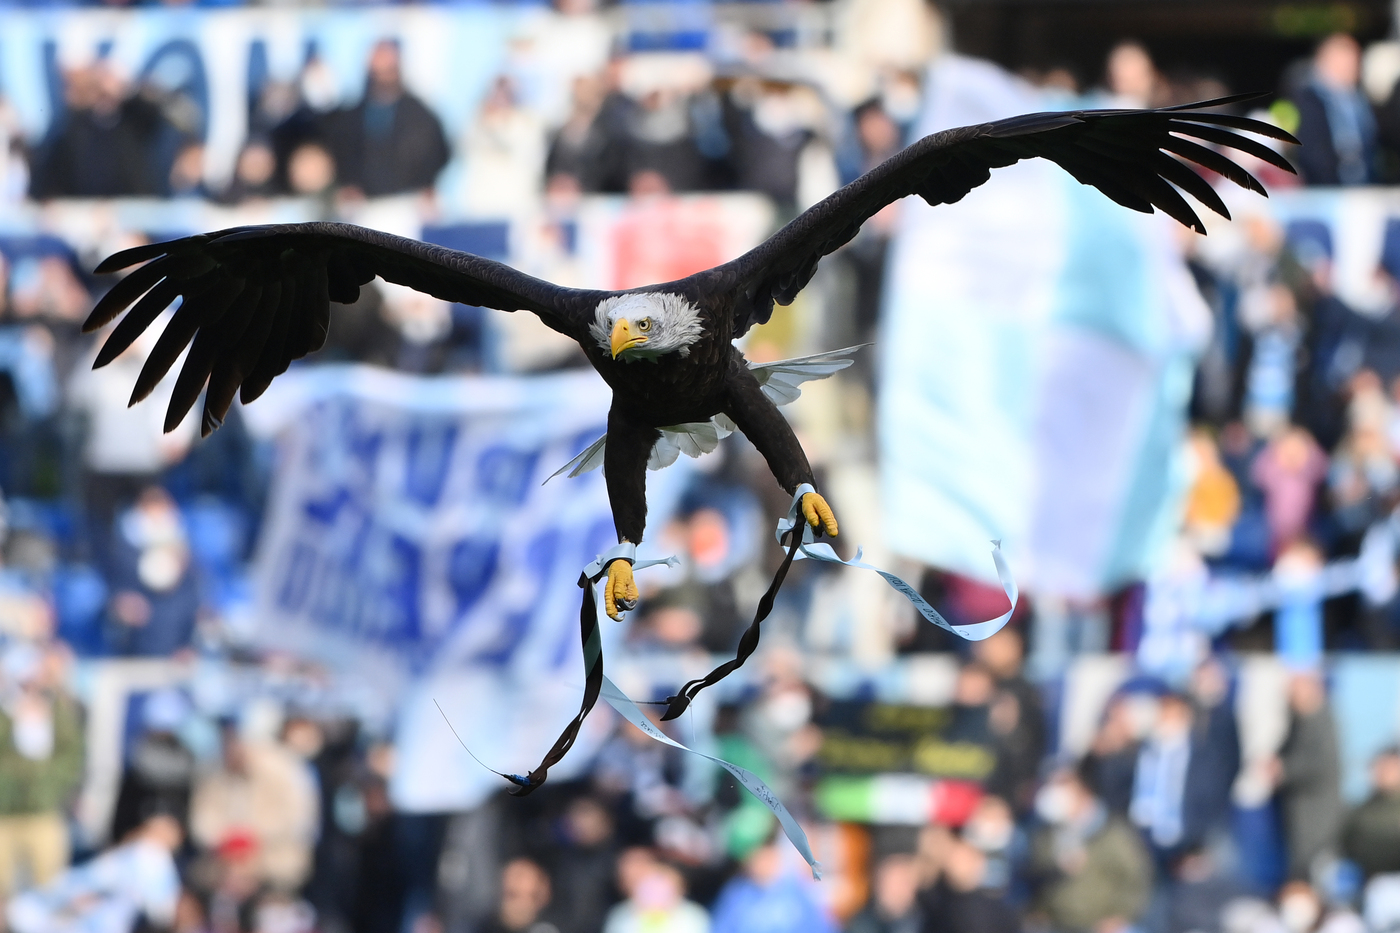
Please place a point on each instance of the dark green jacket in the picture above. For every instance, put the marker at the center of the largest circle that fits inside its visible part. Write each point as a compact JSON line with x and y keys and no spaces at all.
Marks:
{"x":1371,"y":835}
{"x":1115,"y":879}
{"x":28,"y":786}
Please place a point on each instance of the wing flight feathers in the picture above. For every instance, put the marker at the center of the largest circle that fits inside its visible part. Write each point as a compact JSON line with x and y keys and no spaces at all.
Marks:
{"x":252,"y":299}
{"x":1142,"y":159}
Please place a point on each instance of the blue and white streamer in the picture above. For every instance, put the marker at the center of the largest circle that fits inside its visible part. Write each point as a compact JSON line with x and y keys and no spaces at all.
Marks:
{"x":824,"y":552}
{"x":628,"y":710}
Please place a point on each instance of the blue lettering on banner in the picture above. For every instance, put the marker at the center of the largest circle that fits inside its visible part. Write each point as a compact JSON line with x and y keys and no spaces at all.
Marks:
{"x":429,"y":456}
{"x":470,"y":569}
{"x":506,"y":474}
{"x":419,"y":535}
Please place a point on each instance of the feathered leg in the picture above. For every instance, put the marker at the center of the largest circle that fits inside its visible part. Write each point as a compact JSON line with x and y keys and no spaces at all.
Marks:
{"x":625,"y":469}
{"x":766,"y":428}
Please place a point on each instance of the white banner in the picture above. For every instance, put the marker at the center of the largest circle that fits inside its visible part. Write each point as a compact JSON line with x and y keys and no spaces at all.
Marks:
{"x":1035,"y":366}
{"x":411,"y":544}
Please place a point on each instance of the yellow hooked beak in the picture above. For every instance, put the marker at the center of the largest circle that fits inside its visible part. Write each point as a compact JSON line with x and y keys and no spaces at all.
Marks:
{"x":623,"y":339}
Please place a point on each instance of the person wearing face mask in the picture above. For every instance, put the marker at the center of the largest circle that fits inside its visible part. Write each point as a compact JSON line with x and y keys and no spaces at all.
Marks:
{"x":1092,"y":871}
{"x":1159,"y":785}
{"x":992,"y":830}
{"x":894,"y":903}
{"x":1371,"y":833}
{"x":155,"y":599}
{"x":1307,"y":774}
{"x":1335,"y":123}
{"x":961,"y":901}
{"x":1301,"y":910}
{"x":656,"y":903}
{"x":41,"y":756}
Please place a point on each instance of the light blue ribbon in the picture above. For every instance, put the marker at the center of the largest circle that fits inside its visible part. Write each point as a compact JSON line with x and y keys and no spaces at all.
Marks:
{"x":750,"y":781}
{"x":824,"y":552}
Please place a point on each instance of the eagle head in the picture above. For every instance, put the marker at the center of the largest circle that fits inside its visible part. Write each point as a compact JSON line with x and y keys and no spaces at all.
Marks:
{"x":646,"y":325}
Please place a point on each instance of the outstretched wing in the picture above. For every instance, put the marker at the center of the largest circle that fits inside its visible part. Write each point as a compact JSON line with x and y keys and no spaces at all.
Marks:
{"x":252,"y":299}
{"x":1139,"y":158}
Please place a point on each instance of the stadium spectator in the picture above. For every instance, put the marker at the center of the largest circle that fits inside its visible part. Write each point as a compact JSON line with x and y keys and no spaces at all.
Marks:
{"x":1159,"y":781}
{"x":877,"y":137}
{"x":124,"y":447}
{"x":1336,"y":126}
{"x":656,"y":902}
{"x":1111,"y":763}
{"x":583,"y":866}
{"x":894,"y":904}
{"x":992,"y":830}
{"x":187,"y":172}
{"x":1371,"y":833}
{"x":504,"y":151}
{"x":1184,"y":772}
{"x":525,"y":894}
{"x":1302,"y":909}
{"x":155,"y":594}
{"x":1213,"y":504}
{"x":107,"y":143}
{"x":579,"y":147}
{"x":159,"y":774}
{"x":1132,"y":76}
{"x":1288,"y":471}
{"x":310,"y":170}
{"x":1017,"y":716}
{"x":135,"y":882}
{"x":1094,"y":874}
{"x":769,"y":897}
{"x":261,"y":800}
{"x":972,"y":704}
{"x":961,"y":903}
{"x":779,"y":721}
{"x":1308,"y":774}
{"x":390,"y":142}
{"x":775,"y":129}
{"x":254,"y":174}
{"x":1215,"y":749}
{"x":41,"y":759}
{"x":657,"y":148}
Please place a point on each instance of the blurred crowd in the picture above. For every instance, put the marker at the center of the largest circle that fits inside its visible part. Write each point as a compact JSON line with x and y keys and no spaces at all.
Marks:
{"x":258,"y":807}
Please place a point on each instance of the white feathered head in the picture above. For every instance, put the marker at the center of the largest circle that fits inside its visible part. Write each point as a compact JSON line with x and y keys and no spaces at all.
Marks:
{"x":646,"y":325}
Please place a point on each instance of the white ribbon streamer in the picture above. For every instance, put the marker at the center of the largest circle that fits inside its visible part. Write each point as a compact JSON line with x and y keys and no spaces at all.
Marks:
{"x":824,"y":552}
{"x":750,"y":781}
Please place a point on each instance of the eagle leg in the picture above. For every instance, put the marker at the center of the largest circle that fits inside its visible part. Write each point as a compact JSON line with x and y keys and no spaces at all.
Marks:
{"x":625,"y":469}
{"x":763,"y":424}
{"x":620,"y":594}
{"x":818,"y":513}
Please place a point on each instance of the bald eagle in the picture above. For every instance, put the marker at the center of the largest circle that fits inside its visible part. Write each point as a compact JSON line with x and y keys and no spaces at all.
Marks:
{"x":255,"y":298}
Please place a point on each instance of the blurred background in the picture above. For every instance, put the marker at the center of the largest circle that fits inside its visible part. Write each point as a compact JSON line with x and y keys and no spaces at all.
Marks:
{"x":222,"y":661}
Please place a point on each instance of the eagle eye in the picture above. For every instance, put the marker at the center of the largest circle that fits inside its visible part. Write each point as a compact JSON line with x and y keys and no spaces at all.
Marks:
{"x":644,"y":324}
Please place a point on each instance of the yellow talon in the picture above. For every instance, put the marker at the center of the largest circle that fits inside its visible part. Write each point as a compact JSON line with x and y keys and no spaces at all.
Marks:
{"x":621,"y":592}
{"x":818,"y":513}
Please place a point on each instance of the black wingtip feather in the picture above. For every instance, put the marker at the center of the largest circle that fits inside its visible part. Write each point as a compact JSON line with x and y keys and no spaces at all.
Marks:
{"x":130,"y":257}
{"x":136,"y":321}
{"x":1219,"y":101}
{"x":202,"y":310}
{"x":122,"y":294}
{"x":1242,"y":124}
